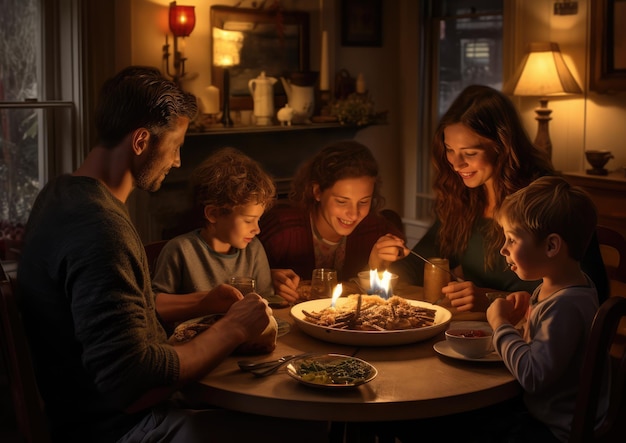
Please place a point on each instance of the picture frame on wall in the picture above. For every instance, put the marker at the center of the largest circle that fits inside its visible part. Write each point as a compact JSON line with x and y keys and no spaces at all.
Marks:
{"x":361,"y":23}
{"x":608,"y":54}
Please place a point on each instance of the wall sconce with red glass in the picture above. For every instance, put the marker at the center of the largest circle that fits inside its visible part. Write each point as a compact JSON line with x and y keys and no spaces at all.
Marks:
{"x":182,"y":20}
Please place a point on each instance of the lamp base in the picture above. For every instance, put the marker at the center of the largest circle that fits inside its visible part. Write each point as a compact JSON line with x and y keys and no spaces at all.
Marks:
{"x":542,"y":140}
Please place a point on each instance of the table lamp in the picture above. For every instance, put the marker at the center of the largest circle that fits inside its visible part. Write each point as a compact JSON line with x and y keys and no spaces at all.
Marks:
{"x":542,"y":73}
{"x":182,"y":20}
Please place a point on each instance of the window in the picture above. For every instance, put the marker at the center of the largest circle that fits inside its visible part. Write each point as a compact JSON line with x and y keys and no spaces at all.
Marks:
{"x":462,"y":45}
{"x":38,"y":68}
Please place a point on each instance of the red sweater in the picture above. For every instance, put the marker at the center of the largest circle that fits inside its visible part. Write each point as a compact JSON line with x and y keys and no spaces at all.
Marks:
{"x":288,"y":241}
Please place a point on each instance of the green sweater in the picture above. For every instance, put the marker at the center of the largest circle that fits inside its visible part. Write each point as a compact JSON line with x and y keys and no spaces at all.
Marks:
{"x":89,"y":311}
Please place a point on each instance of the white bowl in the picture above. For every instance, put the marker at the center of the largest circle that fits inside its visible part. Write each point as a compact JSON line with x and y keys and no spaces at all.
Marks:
{"x":471,"y":343}
{"x":364,"y":279}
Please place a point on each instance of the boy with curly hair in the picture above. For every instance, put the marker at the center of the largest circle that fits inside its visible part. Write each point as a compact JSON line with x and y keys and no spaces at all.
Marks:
{"x":233,"y":191}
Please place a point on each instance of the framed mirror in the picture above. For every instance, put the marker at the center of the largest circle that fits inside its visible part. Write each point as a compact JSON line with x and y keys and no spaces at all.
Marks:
{"x":608,"y":52}
{"x":248,"y":41}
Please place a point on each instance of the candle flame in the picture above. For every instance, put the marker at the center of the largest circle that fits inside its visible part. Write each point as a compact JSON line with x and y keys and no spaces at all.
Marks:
{"x":336,"y":294}
{"x":378,"y":285}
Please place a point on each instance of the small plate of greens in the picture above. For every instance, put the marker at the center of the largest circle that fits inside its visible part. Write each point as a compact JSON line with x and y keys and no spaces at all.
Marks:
{"x":331,"y":370}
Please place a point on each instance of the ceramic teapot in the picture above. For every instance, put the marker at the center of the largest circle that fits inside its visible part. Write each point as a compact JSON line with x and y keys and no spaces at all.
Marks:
{"x":262,"y":91}
{"x":300,"y":90}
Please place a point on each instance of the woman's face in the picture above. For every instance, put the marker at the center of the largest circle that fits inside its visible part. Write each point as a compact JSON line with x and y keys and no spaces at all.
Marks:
{"x":342,"y":206}
{"x":467,"y":156}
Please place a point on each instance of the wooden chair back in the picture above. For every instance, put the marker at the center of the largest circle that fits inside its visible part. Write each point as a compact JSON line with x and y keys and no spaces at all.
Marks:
{"x":605,"y":346}
{"x":613,"y":248}
{"x":31,"y":420}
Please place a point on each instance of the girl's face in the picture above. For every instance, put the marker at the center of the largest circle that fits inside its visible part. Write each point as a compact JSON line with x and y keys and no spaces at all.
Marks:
{"x":467,"y":156}
{"x":237,"y":229}
{"x":523,"y":254}
{"x":343,"y":206}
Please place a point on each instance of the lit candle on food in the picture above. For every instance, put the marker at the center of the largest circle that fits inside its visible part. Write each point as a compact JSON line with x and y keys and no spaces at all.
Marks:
{"x":380,"y":286}
{"x":324,"y":83}
{"x":385,"y":285}
{"x":336,"y":294}
{"x":213,"y":100}
{"x":373,"y":280}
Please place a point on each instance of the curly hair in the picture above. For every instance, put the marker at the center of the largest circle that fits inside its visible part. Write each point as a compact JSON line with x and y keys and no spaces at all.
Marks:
{"x":338,"y":161}
{"x":140,"y":97}
{"x":492,"y":116}
{"x":228,"y":179}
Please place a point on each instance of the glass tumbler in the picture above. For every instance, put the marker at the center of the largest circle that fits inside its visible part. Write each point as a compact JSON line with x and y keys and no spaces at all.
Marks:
{"x":323,"y":282}
{"x":435,"y":278}
{"x":245,"y":285}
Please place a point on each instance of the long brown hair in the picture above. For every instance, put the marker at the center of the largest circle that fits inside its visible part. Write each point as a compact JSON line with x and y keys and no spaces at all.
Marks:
{"x":492,"y":116}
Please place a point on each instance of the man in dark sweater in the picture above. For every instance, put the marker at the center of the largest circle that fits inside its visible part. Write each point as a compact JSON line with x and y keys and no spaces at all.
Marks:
{"x":104,"y":368}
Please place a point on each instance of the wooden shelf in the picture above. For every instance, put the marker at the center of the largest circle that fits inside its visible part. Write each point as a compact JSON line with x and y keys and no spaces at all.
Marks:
{"x":219,"y":129}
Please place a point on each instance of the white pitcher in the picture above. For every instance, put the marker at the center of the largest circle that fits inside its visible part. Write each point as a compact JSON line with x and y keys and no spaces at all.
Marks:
{"x":262,"y":91}
{"x":301,"y":96}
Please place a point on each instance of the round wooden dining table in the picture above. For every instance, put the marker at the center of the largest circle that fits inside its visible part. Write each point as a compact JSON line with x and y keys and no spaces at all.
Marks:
{"x":413,"y":381}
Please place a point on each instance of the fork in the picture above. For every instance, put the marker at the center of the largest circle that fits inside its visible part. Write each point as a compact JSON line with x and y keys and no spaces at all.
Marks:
{"x":249,"y":366}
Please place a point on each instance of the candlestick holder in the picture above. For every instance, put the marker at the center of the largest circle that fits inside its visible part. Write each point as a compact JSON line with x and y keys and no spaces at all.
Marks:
{"x":324,"y":103}
{"x":226,"y":120}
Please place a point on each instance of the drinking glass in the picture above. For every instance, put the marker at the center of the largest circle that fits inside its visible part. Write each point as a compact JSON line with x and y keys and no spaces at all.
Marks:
{"x":245,"y":285}
{"x":323,"y":282}
{"x":435,"y":278}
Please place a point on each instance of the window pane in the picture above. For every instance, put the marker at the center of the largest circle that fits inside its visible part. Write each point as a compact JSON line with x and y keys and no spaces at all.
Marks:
{"x":470,"y":52}
{"x":20,"y":158}
{"x":19,"y":164}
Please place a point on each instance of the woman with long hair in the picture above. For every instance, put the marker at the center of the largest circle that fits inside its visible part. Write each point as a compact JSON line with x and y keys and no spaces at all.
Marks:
{"x":480,"y":154}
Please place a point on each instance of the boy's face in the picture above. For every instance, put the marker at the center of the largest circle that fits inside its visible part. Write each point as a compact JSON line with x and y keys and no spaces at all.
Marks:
{"x":523,"y":254}
{"x":238,"y":228}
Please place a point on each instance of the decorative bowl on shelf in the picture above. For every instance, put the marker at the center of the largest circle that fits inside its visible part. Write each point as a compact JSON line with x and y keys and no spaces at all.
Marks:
{"x":597,"y":159}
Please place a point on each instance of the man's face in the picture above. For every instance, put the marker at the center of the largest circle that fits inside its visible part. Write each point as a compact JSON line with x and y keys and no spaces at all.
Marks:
{"x":156,"y":161}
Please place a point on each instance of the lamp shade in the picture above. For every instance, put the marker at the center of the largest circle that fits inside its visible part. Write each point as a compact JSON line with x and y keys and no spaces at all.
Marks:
{"x":182,"y":19}
{"x":543,"y":72}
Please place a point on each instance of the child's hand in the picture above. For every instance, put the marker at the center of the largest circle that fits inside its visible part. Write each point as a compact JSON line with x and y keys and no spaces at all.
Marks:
{"x":500,"y":312}
{"x":521,"y":301}
{"x":286,"y":283}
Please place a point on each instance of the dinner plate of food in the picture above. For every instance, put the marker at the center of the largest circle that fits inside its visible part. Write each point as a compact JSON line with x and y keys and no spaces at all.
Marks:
{"x":331,"y":371}
{"x":396,"y":321}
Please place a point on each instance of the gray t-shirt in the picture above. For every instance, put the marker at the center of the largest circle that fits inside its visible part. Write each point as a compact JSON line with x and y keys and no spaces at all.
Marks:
{"x":187,"y":264}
